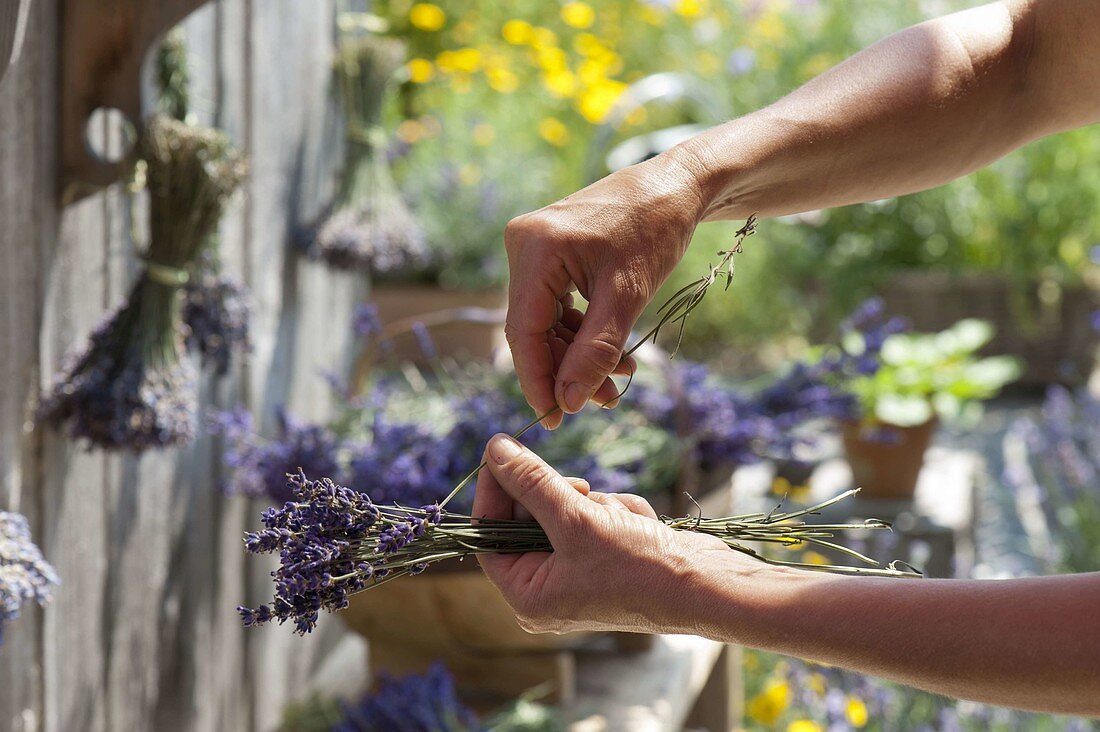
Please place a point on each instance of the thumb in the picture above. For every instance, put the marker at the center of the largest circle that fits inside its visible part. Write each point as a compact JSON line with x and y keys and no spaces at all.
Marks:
{"x":533,"y":484}
{"x":596,"y":350}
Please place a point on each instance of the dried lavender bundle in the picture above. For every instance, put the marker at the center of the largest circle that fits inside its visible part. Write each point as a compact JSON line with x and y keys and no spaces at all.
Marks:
{"x":25,"y":576}
{"x":370,"y":227}
{"x":334,"y":542}
{"x":131,"y":388}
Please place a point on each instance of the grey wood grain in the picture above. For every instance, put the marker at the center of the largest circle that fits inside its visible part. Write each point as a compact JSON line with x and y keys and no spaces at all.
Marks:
{"x":143,"y":635}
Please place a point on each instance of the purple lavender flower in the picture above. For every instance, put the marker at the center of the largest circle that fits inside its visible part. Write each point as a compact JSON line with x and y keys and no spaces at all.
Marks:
{"x":127,"y":390}
{"x":260,"y":466}
{"x":217,"y":310}
{"x":427,"y":703}
{"x":25,"y":576}
{"x":318,"y":534}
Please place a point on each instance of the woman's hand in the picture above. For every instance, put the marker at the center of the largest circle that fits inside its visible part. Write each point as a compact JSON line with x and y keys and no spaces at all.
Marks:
{"x":615,"y":242}
{"x":614,"y":565}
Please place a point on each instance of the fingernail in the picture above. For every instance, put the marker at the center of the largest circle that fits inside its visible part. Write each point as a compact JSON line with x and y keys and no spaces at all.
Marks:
{"x":576,"y":396}
{"x":611,"y":404}
{"x":503,"y":448}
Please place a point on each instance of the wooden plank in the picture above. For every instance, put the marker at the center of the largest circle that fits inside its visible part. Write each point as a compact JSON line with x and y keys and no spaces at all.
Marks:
{"x":75,"y":520}
{"x":291,"y":130}
{"x":23,"y":122}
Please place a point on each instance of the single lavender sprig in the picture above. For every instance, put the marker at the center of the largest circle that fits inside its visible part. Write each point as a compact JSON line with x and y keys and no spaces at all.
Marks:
{"x":333,"y":542}
{"x":25,"y":576}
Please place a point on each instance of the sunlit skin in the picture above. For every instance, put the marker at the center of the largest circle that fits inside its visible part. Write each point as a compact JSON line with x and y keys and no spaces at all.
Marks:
{"x":920,"y":108}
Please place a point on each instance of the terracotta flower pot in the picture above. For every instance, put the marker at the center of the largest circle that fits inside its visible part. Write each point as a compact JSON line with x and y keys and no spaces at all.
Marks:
{"x":466,"y":324}
{"x":886,"y":459}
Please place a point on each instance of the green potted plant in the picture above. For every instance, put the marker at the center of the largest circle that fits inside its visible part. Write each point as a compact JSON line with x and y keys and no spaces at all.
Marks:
{"x":924,"y":378}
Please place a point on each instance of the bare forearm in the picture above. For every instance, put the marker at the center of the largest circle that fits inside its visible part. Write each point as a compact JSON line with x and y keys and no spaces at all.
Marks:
{"x":1029,"y":643}
{"x":920,"y":108}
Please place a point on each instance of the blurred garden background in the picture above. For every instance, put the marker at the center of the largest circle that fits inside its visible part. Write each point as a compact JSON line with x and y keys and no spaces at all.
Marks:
{"x":334,"y":309}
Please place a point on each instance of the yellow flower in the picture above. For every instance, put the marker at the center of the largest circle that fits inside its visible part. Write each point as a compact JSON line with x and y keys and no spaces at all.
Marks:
{"x":553,"y":131}
{"x":420,"y":70}
{"x":561,"y":83}
{"x":502,"y":80}
{"x":578,"y":14}
{"x":543,"y":38}
{"x":587,"y":44}
{"x":688,"y":8}
{"x":427,"y":17}
{"x":469,"y":174}
{"x":856,"y":711}
{"x":551,"y":58}
{"x":464,"y":60}
{"x":484,"y":134}
{"x":517,"y":32}
{"x":804,"y":725}
{"x":768,"y":705}
{"x":596,"y":101}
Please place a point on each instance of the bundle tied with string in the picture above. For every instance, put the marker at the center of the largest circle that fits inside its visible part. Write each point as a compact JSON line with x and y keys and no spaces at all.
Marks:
{"x":369,"y":227}
{"x":217,"y":307}
{"x":130,"y":387}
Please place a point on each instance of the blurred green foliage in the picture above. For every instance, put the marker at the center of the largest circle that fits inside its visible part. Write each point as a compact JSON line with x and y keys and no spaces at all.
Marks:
{"x":504,"y":105}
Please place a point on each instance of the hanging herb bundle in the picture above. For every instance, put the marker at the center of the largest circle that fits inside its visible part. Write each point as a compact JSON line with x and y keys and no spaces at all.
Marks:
{"x":216,"y":307}
{"x":334,"y":541}
{"x":369,"y":227}
{"x":25,"y":576}
{"x":131,"y":388}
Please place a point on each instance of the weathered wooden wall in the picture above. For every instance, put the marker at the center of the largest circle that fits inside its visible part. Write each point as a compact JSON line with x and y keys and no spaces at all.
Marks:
{"x":143,"y":635}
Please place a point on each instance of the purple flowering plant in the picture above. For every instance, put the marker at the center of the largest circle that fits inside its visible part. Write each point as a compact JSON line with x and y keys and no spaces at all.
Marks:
{"x":132,"y":386}
{"x":25,"y":576}
{"x":334,"y":541}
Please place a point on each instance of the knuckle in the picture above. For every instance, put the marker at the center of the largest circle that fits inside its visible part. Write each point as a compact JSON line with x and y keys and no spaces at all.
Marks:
{"x":601,"y":356}
{"x":529,"y":476}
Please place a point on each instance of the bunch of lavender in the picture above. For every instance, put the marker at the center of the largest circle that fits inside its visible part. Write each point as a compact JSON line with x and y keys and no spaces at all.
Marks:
{"x":217,"y":309}
{"x":369,"y":227}
{"x":413,"y":703}
{"x":130,"y":387}
{"x":25,"y":576}
{"x":1052,"y":466}
{"x":334,"y":541}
